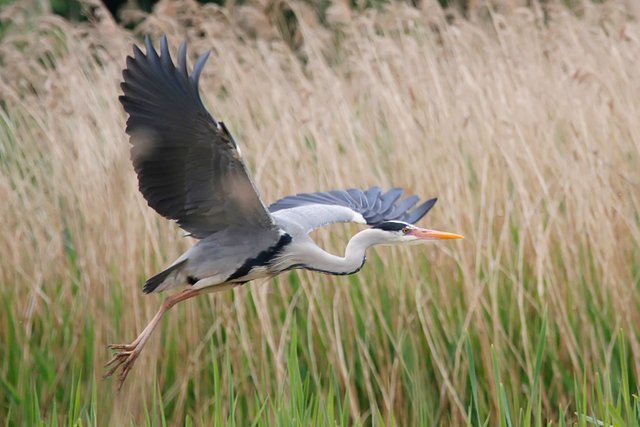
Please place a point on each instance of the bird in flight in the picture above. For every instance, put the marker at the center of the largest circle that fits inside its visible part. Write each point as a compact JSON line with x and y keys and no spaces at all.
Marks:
{"x":190,"y":170}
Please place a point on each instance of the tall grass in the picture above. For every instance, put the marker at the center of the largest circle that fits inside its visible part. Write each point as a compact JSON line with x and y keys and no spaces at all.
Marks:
{"x":524,"y":125}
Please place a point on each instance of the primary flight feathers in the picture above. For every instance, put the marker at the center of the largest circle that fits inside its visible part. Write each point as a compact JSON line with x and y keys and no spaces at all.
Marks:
{"x":188,"y":164}
{"x":190,"y":170}
{"x":375,"y":206}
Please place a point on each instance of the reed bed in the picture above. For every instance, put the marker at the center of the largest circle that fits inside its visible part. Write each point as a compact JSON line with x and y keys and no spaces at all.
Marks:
{"x":522,"y":120}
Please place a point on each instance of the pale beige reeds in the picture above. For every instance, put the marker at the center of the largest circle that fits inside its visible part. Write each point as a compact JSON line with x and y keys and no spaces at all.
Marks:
{"x":525,"y":126}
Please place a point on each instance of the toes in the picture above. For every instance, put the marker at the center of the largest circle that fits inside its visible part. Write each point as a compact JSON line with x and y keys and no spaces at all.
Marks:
{"x":111,"y":371}
{"x":125,"y":347}
{"x":118,"y":360}
{"x":116,"y":357}
{"x":122,"y":361}
{"x":126,"y":367}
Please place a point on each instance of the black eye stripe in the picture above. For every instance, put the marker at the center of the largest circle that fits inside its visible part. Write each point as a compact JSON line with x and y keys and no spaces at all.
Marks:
{"x":391,"y":226}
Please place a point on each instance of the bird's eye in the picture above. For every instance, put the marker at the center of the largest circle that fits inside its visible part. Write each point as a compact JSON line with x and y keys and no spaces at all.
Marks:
{"x":405,"y":230}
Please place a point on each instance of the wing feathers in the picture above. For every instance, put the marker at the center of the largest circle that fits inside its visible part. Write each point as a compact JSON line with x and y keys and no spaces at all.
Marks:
{"x":197,"y":70}
{"x":375,"y":206}
{"x":188,"y":167}
{"x":421,"y":211}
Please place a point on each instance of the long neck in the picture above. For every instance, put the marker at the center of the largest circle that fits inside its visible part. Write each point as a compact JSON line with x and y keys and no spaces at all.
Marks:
{"x":312,"y":257}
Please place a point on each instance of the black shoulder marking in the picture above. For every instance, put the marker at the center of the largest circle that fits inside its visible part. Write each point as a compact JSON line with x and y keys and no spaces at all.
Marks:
{"x":152,"y":283}
{"x":391,"y":226}
{"x":261,"y":259}
{"x":192,"y":280}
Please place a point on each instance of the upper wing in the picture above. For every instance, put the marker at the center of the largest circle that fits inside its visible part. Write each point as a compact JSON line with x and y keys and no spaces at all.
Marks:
{"x":188,"y":165}
{"x":373,"y":207}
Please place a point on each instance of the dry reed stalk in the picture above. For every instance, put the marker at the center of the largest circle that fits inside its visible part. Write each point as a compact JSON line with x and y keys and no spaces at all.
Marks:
{"x":526,"y":127}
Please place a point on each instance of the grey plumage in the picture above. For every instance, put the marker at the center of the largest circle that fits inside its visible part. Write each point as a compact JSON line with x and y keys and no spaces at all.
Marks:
{"x":190,"y":170}
{"x":374,"y":205}
{"x":188,"y":165}
{"x":215,"y":258}
{"x":154,"y":282}
{"x":300,"y":220}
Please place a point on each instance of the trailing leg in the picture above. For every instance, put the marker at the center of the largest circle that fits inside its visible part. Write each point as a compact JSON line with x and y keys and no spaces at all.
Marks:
{"x":126,"y":354}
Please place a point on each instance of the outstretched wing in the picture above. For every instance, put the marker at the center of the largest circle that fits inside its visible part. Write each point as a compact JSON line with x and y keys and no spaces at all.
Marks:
{"x":312,"y":210}
{"x":188,"y":165}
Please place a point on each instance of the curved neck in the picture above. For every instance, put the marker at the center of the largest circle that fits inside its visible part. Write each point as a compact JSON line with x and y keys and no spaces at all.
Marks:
{"x":314,"y":258}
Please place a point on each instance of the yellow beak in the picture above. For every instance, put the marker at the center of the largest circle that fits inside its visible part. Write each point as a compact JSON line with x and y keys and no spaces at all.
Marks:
{"x":423,"y":233}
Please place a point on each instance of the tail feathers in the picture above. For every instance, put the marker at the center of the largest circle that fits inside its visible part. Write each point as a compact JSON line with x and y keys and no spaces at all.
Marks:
{"x":155,"y":282}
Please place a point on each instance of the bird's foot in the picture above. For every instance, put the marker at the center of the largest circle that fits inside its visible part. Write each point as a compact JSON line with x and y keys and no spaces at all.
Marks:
{"x":123,"y":347}
{"x":124,"y":358}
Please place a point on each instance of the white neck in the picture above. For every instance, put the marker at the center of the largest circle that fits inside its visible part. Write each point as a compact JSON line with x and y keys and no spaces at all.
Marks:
{"x":308,"y":255}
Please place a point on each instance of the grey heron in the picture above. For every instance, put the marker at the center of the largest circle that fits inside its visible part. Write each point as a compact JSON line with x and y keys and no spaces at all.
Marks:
{"x":190,"y":170}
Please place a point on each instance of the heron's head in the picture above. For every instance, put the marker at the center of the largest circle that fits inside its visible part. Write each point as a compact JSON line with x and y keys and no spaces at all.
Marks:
{"x":396,"y":232}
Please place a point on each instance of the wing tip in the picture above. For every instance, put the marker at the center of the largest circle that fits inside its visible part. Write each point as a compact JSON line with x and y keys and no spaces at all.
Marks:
{"x":418,"y":213}
{"x":197,"y":69}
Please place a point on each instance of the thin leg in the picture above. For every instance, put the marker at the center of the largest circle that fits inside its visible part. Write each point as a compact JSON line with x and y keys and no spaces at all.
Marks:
{"x":127,"y":354}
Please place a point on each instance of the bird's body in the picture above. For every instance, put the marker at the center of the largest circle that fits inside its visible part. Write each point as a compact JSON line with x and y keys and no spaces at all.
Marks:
{"x":241,"y":254}
{"x":190,"y":170}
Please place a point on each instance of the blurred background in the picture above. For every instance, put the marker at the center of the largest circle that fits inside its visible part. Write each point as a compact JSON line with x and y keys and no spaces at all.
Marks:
{"x":520,"y":116}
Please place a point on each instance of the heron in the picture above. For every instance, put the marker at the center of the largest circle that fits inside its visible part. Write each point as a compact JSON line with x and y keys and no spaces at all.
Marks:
{"x":190,"y":170}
